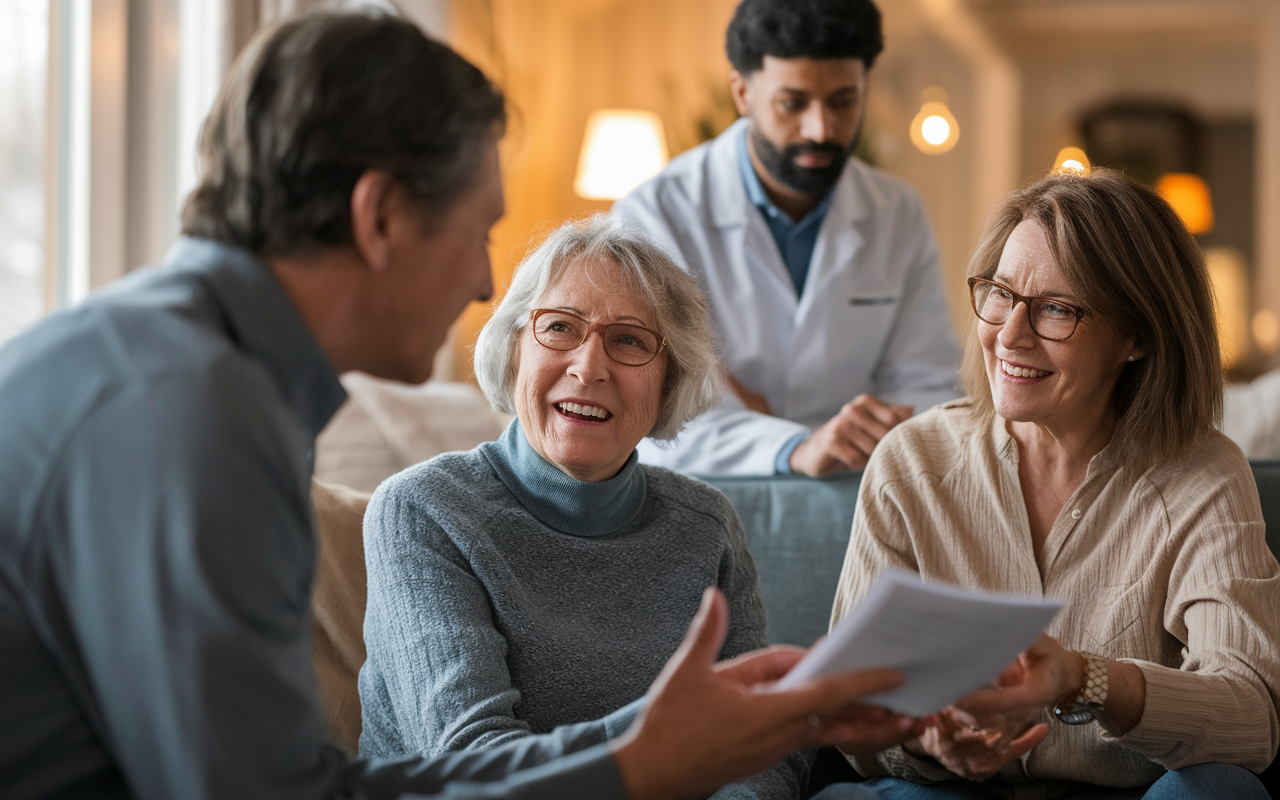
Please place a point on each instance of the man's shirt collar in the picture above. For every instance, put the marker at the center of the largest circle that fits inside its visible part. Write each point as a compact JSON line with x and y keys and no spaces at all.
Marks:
{"x":265,"y":324}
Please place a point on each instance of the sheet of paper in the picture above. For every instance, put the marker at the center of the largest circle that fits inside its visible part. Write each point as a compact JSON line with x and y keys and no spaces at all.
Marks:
{"x":946,"y":641}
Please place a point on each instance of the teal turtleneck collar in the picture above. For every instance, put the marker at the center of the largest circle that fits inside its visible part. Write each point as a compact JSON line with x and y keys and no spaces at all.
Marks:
{"x":580,"y":508}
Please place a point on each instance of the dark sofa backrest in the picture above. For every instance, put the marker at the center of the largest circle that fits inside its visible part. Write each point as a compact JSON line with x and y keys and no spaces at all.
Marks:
{"x":798,"y":529}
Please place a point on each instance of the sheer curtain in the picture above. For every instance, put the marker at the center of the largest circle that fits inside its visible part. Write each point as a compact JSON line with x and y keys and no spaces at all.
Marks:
{"x":24,"y":39}
{"x":101,"y":106}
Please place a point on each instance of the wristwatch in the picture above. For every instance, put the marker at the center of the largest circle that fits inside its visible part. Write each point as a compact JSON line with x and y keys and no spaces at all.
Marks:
{"x":1086,"y":706}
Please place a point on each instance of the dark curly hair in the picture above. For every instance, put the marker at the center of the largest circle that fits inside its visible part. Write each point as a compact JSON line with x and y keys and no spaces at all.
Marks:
{"x":803,"y":29}
{"x":314,"y":102}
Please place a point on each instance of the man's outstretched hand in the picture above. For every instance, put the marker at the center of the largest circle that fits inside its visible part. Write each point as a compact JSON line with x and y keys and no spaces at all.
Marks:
{"x":708,"y":724}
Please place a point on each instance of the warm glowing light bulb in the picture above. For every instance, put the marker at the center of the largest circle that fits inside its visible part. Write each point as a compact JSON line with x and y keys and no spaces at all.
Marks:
{"x":1189,"y":196}
{"x":1266,"y":330}
{"x":935,"y":130}
{"x":1071,"y":159}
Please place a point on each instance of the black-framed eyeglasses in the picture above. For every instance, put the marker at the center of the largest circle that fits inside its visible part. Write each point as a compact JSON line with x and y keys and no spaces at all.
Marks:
{"x":1050,"y":318}
{"x":631,"y":345}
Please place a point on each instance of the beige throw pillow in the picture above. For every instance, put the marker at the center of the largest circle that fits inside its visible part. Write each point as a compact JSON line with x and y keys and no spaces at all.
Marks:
{"x":337,"y":606}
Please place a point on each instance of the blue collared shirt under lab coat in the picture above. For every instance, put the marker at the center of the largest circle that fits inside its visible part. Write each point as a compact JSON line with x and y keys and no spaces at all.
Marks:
{"x":157,"y":554}
{"x":795,"y":241}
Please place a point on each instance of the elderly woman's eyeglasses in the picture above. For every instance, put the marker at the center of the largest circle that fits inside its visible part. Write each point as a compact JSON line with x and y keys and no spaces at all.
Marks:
{"x":632,"y":345}
{"x":1050,"y":318}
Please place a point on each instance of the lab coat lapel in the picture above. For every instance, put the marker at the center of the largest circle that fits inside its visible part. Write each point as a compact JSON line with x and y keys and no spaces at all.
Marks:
{"x":839,"y":240}
{"x":749,"y":245}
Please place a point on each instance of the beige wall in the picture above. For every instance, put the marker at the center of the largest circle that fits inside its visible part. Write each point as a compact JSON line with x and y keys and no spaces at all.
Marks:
{"x":914,"y":59}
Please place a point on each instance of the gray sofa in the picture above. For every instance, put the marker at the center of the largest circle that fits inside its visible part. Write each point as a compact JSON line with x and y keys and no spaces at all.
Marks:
{"x":798,"y":529}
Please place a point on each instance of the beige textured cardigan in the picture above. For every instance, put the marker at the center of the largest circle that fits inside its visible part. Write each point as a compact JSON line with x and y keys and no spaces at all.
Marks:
{"x":1168,"y":569}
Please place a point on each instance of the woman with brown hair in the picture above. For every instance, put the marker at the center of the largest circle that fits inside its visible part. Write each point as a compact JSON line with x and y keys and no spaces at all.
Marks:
{"x":1084,"y":464}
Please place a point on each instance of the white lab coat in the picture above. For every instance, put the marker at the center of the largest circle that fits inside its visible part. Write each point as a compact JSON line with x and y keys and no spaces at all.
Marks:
{"x":1251,"y":415}
{"x":872,"y":317}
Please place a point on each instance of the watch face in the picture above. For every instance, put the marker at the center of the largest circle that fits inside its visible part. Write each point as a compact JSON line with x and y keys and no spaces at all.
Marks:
{"x":1077,"y":713}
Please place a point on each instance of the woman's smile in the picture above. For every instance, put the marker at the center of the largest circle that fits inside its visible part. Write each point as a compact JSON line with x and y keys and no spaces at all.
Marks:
{"x":1020,"y":373}
{"x":583,"y":411}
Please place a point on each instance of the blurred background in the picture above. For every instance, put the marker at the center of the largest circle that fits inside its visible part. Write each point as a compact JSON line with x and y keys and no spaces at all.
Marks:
{"x":101,"y":102}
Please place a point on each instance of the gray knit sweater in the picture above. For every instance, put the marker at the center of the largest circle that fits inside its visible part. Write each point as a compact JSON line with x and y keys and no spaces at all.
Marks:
{"x":507,"y":598}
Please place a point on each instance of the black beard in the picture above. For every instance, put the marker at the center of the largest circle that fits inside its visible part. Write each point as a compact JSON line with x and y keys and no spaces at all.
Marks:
{"x":781,"y":165}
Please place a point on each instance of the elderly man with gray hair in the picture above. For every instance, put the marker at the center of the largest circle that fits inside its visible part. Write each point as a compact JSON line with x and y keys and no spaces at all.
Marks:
{"x":543,"y":579}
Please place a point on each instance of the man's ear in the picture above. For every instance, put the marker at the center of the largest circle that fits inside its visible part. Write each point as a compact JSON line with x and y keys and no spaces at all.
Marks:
{"x":372,"y":202}
{"x":739,"y":85}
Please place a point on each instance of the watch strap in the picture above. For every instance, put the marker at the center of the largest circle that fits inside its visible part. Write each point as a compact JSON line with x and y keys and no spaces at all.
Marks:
{"x":1089,"y":702}
{"x":1095,"y":680}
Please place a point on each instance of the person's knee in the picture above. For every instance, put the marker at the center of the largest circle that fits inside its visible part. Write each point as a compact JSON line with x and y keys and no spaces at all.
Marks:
{"x":1208,"y":781}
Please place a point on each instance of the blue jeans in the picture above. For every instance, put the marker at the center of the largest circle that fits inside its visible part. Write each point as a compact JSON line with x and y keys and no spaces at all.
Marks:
{"x":1200,"y":782}
{"x":1208,"y":780}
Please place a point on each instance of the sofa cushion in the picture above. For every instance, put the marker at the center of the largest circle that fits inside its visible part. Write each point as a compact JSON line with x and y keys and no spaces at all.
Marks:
{"x":1266,"y":473}
{"x":385,"y":427}
{"x":337,"y":606}
{"x":798,"y":529}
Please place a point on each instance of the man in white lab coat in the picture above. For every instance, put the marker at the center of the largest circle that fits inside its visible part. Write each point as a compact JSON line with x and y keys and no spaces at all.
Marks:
{"x":822,"y":272}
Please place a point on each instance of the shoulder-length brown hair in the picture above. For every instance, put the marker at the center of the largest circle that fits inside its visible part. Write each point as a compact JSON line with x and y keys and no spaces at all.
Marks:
{"x":1125,"y":253}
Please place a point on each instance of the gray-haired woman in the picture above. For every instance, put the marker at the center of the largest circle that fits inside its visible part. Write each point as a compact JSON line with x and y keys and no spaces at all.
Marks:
{"x":545,"y":578}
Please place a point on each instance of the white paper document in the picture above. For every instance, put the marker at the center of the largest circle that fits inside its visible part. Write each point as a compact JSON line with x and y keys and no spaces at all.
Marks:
{"x":946,"y":642}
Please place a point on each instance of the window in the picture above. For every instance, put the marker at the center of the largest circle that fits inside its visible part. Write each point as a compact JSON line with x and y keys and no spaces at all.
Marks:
{"x":24,"y":42}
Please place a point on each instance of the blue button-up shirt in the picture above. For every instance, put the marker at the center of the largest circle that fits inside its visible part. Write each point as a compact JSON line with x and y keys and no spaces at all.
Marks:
{"x":157,"y":554}
{"x":796,"y":240}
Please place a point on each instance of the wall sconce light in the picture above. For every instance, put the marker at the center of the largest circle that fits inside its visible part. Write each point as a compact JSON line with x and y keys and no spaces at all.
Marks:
{"x":1189,"y":196}
{"x":934,"y":131}
{"x":622,"y":149}
{"x":1072,"y":159}
{"x":1266,"y":331}
{"x":1230,"y":281}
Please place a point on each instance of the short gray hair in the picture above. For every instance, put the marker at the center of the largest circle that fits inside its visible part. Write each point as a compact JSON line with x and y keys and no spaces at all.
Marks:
{"x":693,"y":382}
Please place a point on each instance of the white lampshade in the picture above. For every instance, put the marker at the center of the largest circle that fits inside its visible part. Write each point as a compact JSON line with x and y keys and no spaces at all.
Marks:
{"x":622,"y":149}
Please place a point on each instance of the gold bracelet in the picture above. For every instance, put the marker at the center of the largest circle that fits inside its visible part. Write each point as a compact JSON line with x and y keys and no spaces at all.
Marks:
{"x":1089,"y":703}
